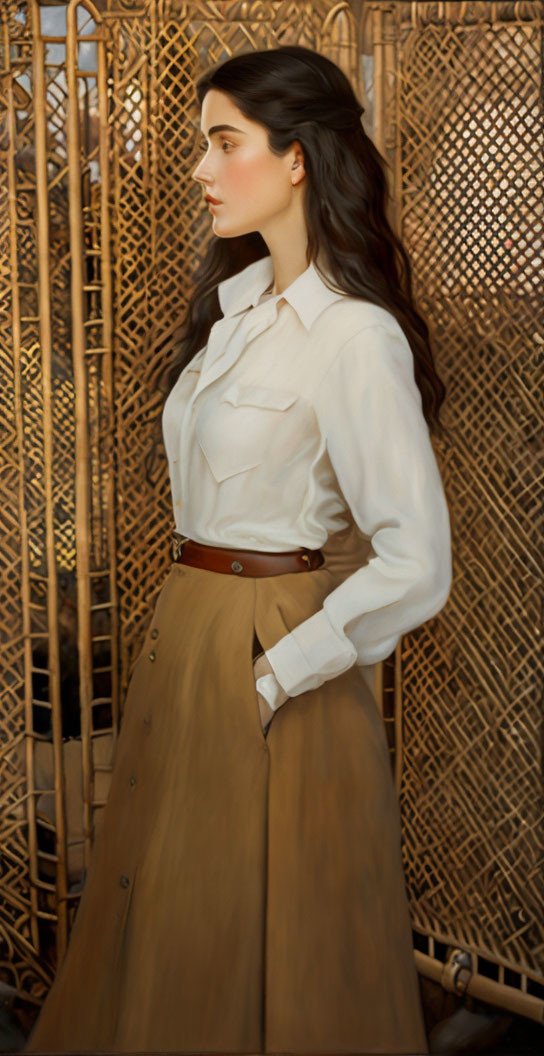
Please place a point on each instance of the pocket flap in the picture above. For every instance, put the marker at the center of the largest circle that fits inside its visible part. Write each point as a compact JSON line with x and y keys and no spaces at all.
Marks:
{"x":259,"y":396}
{"x":225,"y":463}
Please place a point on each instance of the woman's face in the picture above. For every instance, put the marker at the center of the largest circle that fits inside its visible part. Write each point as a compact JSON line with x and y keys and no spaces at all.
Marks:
{"x":253,"y":185}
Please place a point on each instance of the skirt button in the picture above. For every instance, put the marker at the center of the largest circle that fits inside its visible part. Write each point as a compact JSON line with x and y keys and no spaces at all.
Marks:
{"x":236,"y":566}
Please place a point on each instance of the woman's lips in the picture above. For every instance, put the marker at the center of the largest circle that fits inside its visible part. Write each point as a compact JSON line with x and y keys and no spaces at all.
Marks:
{"x":212,"y":201}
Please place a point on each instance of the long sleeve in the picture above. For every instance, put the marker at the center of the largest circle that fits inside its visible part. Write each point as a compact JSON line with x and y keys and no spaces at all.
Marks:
{"x":370,"y":414}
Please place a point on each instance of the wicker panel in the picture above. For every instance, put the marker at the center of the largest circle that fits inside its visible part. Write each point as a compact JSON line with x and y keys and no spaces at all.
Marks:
{"x":28,"y":643}
{"x":61,"y":588}
{"x":465,"y":134}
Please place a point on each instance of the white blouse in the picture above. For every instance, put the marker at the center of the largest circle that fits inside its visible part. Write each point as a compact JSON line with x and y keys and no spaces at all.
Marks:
{"x":293,"y":414}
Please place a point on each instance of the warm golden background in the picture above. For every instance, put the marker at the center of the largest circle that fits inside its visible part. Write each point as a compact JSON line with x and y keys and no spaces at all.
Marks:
{"x":101,"y":228}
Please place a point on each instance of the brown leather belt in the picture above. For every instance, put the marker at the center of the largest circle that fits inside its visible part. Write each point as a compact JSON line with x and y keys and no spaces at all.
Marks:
{"x":243,"y":562}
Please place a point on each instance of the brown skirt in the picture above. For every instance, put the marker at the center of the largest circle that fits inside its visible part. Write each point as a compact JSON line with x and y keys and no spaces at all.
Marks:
{"x":245,"y":893}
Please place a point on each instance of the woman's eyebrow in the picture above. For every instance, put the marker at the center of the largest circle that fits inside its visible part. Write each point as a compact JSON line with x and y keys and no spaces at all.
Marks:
{"x":224,"y":128}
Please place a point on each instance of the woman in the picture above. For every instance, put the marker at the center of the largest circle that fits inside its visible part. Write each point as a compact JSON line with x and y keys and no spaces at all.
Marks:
{"x":246,"y":889}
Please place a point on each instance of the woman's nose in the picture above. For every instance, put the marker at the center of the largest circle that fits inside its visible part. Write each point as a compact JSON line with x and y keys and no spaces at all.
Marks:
{"x":200,"y":176}
{"x":199,"y":172}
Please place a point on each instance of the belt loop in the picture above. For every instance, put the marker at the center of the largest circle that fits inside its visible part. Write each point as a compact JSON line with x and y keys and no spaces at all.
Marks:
{"x":177,"y":544}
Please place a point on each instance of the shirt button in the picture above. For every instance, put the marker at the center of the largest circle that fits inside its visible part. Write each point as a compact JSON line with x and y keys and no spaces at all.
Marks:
{"x":236,"y":566}
{"x":152,"y":654}
{"x":124,"y":881}
{"x":154,"y":633}
{"x":132,"y":781}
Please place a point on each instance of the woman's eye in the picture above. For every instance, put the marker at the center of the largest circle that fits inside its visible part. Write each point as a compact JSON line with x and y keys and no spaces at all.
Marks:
{"x":203,"y":148}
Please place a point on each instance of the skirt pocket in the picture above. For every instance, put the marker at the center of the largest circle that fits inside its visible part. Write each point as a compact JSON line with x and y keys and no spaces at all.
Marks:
{"x":256,"y":651}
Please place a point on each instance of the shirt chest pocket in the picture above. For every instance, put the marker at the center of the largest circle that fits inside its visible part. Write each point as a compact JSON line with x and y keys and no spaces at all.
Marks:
{"x":239,"y":430}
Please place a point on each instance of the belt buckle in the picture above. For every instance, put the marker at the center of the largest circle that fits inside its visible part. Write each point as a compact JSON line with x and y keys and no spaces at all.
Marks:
{"x":178,"y":542}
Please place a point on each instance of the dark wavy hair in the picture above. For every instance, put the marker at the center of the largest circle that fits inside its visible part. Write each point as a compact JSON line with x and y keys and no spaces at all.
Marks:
{"x":298,"y":94}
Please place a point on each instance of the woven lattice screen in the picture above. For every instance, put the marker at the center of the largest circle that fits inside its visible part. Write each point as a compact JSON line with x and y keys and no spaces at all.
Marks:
{"x":101,"y":227}
{"x":463,"y":130}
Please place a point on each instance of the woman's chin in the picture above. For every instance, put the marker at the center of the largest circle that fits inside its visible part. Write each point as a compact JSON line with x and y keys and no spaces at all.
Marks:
{"x":224,"y":229}
{"x":220,"y":228}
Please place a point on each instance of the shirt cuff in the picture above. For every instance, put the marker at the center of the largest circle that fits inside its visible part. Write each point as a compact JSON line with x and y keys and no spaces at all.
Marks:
{"x":310,"y":655}
{"x":269,"y":688}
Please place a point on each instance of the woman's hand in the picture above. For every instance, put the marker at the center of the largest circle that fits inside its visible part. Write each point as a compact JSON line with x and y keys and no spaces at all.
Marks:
{"x":262,"y":666}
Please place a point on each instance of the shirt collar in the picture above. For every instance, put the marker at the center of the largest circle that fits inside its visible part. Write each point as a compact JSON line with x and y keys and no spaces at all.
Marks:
{"x":308,"y":294}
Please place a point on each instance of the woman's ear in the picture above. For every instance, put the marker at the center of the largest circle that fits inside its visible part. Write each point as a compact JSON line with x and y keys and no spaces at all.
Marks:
{"x":297,"y":166}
